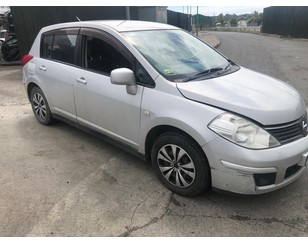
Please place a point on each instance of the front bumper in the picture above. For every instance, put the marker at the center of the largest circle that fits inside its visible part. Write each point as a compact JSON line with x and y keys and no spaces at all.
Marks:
{"x":245,"y":171}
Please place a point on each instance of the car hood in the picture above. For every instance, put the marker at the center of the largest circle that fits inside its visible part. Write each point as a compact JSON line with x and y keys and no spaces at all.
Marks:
{"x":251,"y":94}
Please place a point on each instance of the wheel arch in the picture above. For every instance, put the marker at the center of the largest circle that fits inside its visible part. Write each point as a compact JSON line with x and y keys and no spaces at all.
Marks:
{"x":156,"y":131}
{"x":30,"y":86}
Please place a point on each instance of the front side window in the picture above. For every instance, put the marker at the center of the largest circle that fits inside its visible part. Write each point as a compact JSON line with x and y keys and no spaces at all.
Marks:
{"x":101,"y":57}
{"x":60,"y":47}
{"x":143,"y":77}
{"x":175,"y":54}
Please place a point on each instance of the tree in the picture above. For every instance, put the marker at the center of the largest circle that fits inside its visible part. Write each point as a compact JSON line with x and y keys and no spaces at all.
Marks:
{"x":221,"y":19}
{"x":233,"y":22}
{"x":255,"y":18}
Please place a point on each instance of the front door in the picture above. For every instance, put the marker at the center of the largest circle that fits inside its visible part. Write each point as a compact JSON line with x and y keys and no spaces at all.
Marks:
{"x":100,"y":105}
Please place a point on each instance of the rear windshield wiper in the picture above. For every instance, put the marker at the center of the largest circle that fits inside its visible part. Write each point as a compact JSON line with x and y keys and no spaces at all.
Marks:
{"x":202,"y":73}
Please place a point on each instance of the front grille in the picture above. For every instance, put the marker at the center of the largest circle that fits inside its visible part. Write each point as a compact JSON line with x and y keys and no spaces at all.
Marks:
{"x":292,"y":170}
{"x":289,"y":132}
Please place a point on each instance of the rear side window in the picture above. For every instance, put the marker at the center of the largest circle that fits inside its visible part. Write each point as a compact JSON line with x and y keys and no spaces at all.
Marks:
{"x":60,"y":47}
{"x":63,"y":48}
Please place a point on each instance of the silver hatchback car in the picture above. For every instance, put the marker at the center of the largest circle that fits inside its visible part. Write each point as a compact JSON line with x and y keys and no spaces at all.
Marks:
{"x":202,"y":120}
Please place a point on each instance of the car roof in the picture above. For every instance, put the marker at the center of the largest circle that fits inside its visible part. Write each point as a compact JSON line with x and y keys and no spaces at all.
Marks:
{"x":117,"y":25}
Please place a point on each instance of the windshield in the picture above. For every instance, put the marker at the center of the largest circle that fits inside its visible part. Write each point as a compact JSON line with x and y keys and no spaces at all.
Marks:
{"x":176,"y":54}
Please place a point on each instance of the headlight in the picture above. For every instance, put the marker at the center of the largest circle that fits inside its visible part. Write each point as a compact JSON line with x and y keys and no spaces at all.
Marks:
{"x":242,"y":132}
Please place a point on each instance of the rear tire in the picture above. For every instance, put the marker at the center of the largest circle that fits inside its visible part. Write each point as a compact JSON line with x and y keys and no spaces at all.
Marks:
{"x":40,"y":106}
{"x":180,"y":164}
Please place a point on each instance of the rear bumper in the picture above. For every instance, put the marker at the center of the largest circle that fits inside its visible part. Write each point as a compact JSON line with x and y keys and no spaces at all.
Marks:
{"x":244,"y":171}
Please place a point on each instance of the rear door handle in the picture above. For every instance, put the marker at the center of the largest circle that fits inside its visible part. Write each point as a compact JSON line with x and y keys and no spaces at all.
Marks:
{"x":81,"y":80}
{"x":43,"y":68}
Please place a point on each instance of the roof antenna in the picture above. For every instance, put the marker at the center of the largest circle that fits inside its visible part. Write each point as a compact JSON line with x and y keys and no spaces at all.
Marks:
{"x":78,"y":18}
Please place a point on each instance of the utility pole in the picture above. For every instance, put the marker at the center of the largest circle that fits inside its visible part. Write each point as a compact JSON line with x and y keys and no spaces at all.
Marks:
{"x":197,"y":24}
{"x":127,"y":13}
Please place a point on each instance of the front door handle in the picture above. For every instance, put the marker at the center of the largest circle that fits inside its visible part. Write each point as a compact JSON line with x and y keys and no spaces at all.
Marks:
{"x":43,"y":68}
{"x":81,"y":80}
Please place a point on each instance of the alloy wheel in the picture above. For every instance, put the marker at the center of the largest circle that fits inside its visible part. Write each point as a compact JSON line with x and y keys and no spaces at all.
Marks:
{"x":39,"y":106}
{"x":176,"y":166}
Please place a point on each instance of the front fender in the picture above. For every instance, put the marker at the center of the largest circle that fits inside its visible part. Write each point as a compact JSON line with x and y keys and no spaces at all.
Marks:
{"x":165,"y":109}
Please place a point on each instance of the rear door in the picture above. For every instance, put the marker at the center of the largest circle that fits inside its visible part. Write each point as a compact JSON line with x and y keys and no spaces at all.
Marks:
{"x":100,"y":105}
{"x":56,"y":68}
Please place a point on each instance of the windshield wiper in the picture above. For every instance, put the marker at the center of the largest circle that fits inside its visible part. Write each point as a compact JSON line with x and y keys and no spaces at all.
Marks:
{"x":230,"y":62}
{"x":202,"y":73}
{"x":208,"y":71}
{"x":227,"y":66}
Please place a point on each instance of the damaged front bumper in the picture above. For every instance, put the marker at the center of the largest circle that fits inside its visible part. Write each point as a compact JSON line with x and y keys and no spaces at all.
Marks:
{"x":245,"y":171}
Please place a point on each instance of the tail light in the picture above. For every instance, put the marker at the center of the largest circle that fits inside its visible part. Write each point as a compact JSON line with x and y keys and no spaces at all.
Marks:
{"x":26,"y":59}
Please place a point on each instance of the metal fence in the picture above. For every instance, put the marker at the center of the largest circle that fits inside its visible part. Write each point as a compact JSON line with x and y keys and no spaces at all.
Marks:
{"x":286,"y":21}
{"x":179,"y":19}
{"x":253,"y":29}
{"x":28,"y":20}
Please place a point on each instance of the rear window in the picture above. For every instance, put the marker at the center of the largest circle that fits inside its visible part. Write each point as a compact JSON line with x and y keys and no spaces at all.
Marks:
{"x":60,"y":47}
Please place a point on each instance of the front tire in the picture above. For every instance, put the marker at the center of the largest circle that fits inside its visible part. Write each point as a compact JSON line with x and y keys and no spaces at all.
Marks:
{"x":40,"y":106}
{"x":180,"y":164}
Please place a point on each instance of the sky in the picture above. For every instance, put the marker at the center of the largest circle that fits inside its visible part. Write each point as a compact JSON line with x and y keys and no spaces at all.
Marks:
{"x":216,"y":10}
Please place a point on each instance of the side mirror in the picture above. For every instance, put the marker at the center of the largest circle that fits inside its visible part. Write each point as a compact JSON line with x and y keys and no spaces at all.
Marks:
{"x":124,"y":76}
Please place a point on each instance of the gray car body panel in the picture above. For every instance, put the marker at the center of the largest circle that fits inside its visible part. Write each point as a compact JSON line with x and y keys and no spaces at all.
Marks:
{"x":228,"y":178}
{"x":251,"y":94}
